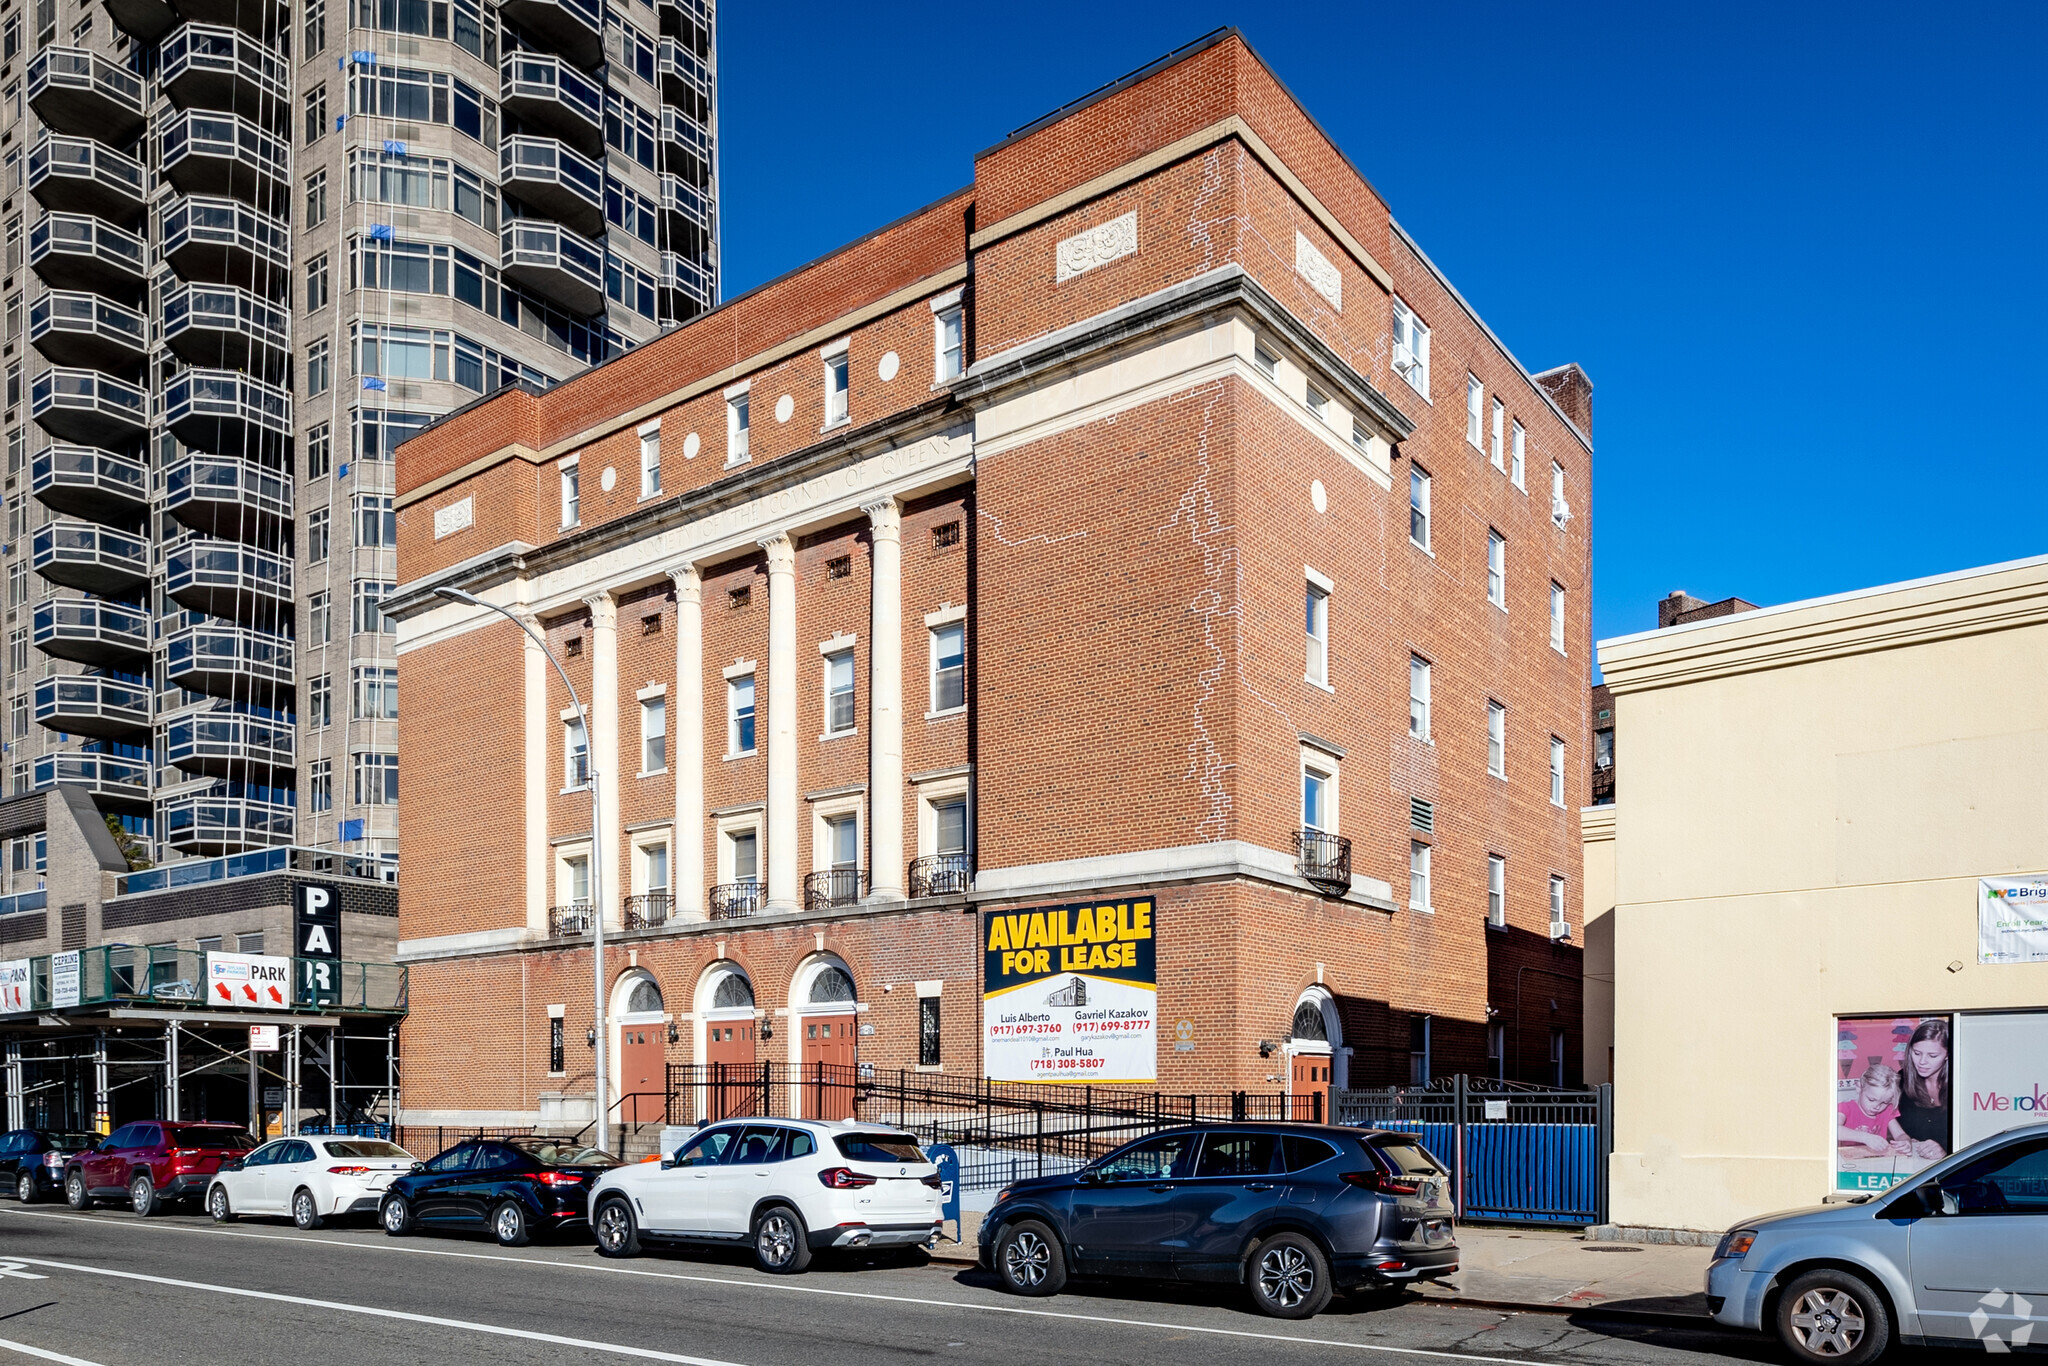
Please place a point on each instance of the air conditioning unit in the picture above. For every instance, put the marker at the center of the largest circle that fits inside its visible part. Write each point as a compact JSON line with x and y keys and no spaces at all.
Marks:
{"x":1404,"y":359}
{"x":1560,"y":511}
{"x":1560,"y":930}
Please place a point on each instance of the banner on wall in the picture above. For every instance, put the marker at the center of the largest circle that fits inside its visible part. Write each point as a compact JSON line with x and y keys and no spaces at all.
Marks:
{"x":14,"y":985}
{"x":2012,"y":920}
{"x":1070,"y":993}
{"x":2001,"y":1073}
{"x":1893,"y":1096}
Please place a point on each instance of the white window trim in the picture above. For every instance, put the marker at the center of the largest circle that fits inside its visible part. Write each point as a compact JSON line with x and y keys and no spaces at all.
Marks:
{"x":1518,"y":452}
{"x":570,"y":715}
{"x":1500,"y":862}
{"x":1475,"y":417}
{"x":1326,"y":764}
{"x":838,"y":644}
{"x":1559,"y":606}
{"x":944,"y":616}
{"x":564,"y":854}
{"x":1428,"y":736}
{"x":646,"y":430}
{"x":1422,"y":358}
{"x":1322,"y":585}
{"x":1498,"y":438}
{"x":1428,"y":509}
{"x":826,"y":811}
{"x":732,"y":424}
{"x":1495,"y":707}
{"x":1560,"y":775}
{"x":733,"y":672}
{"x":934,"y":792}
{"x":1495,"y":539}
{"x":571,"y":466}
{"x":1559,"y":894}
{"x":1428,"y":876}
{"x":658,"y":838}
{"x":753,"y":819}
{"x":842,"y":641}
{"x":642,"y":698}
{"x":949,"y":302}
{"x":829,"y":352}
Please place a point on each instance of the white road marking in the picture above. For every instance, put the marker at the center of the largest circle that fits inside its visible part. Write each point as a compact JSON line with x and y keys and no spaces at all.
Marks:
{"x":432,"y":1320}
{"x":400,"y":1245}
{"x":15,"y":1270}
{"x":44,"y":1353}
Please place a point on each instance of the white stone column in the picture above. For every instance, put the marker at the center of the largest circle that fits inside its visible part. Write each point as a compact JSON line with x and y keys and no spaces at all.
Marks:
{"x":784,"y":893}
{"x":885,"y":704}
{"x":686,"y":745}
{"x":605,"y":751}
{"x":541,"y":728}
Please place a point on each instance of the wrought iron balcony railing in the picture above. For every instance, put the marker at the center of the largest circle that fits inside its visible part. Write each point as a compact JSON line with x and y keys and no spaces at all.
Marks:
{"x":834,"y":887}
{"x":572,"y":919}
{"x":1324,"y":859}
{"x":649,"y":910}
{"x":737,"y":900}
{"x":941,"y":875}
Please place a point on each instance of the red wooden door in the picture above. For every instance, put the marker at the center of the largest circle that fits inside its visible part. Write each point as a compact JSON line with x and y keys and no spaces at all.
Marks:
{"x":732,"y":1081}
{"x":1311,"y":1087}
{"x":643,"y":1074}
{"x":828,"y":1066}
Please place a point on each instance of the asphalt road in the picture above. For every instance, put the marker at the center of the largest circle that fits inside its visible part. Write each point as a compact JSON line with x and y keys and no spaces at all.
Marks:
{"x":115,"y":1290}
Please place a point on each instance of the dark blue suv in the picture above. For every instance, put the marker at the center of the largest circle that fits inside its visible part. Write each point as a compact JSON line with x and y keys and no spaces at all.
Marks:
{"x":1292,"y":1212}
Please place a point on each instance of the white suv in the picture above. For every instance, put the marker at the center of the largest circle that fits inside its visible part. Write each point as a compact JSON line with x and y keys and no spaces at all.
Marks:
{"x":788,"y":1187}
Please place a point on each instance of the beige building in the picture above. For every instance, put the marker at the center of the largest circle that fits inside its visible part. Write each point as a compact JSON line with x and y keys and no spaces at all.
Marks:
{"x":1820,"y":877}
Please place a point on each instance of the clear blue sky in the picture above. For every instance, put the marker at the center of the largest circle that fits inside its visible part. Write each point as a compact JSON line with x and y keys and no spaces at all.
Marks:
{"x":1798,"y":247}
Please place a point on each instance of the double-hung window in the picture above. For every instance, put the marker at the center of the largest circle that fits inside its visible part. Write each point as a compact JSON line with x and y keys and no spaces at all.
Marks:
{"x":1518,"y":450}
{"x":653,"y":734}
{"x":949,"y":666}
{"x":1418,"y":505}
{"x":1475,"y":403}
{"x":739,"y":709}
{"x":572,"y":493}
{"x":1560,"y":510}
{"x":949,"y":341}
{"x":1411,"y":348}
{"x":575,"y":754}
{"x":1418,"y":876}
{"x":1496,"y":569}
{"x":1318,"y":799}
{"x":1496,"y":891}
{"x":1559,"y":925}
{"x":650,"y":460}
{"x":1319,"y":632}
{"x":839,"y":697}
{"x":1418,"y":697}
{"x":835,"y":388}
{"x":737,"y":448}
{"x":1556,"y":771}
{"x":1496,"y":739}
{"x":1497,"y":441}
{"x":1557,"y":617}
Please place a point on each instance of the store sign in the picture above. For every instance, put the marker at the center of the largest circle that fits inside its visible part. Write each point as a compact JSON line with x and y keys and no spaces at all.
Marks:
{"x":64,"y":979}
{"x":1893,"y":1096}
{"x":2012,"y":920}
{"x":1071,"y":993}
{"x":252,"y":980}
{"x":2001,"y":1073}
{"x":14,"y":988}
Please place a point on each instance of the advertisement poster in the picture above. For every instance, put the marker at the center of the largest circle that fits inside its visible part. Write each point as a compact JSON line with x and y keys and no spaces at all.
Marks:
{"x":254,"y":980}
{"x":2001,"y":1073}
{"x":1070,"y":993}
{"x":1894,"y":1088}
{"x":64,"y":979}
{"x":14,"y":988}
{"x":2012,"y":920}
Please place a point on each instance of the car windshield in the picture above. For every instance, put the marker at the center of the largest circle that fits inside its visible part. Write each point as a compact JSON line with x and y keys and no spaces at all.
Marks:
{"x":63,"y":1142}
{"x":365,"y":1147}
{"x":878,"y":1148}
{"x":565,"y":1152}
{"x":208,"y":1136}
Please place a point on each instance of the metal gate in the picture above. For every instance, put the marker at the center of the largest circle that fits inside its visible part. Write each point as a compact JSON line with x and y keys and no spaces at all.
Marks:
{"x":1519,"y":1154}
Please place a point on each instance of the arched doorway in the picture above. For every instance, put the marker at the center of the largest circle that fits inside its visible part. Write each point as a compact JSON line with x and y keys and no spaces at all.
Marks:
{"x":726,"y":1015}
{"x":640,"y":1020}
{"x":1313,"y":1039}
{"x":824,"y":1006}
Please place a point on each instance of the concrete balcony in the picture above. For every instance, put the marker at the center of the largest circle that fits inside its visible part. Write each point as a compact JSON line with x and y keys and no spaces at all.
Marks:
{"x":221,"y":659}
{"x":225,"y":818}
{"x":87,"y":408}
{"x":552,"y":95}
{"x":67,"y":327}
{"x":223,"y":411}
{"x":208,"y":67}
{"x":103,"y":635}
{"x":82,"y":93}
{"x":574,"y":28}
{"x":555,"y":263}
{"x":223,"y":579}
{"x":226,"y":326}
{"x":114,"y":783}
{"x":152,"y":19}
{"x":551,"y":177}
{"x":81,"y":175}
{"x":84,"y":481}
{"x":228,"y":745}
{"x":104,"y":708}
{"x":229,"y":498}
{"x":223,"y":154}
{"x":92,"y":558}
{"x":148,"y":20}
{"x":79,"y":252}
{"x":221,"y":241}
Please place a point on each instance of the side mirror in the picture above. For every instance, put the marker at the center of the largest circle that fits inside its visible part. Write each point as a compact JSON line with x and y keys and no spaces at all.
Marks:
{"x":419,"y":1166}
{"x":233,"y":1164}
{"x":1093,"y":1176}
{"x":668,"y":1164}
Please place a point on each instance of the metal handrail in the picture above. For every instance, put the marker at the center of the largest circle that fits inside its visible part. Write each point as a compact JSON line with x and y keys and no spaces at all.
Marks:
{"x":941,"y":875}
{"x":831,"y":887}
{"x":649,"y":910}
{"x":572,"y":919}
{"x":1323,"y":858}
{"x":737,"y":900}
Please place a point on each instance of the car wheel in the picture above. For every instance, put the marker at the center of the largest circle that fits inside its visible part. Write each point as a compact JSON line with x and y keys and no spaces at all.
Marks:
{"x":1288,"y":1277}
{"x":1834,"y":1317}
{"x":1029,"y":1259}
{"x":306,"y":1210}
{"x":508,"y":1223}
{"x":782,"y":1245}
{"x":397,"y":1217}
{"x":617,"y":1233}
{"x":25,"y":1188}
{"x":142,"y":1195}
{"x":74,"y":1191}
{"x":217,"y":1205}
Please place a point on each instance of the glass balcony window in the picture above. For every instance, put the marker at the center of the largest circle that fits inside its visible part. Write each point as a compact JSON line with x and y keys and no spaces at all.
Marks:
{"x":554,"y":179}
{"x":573,"y":27}
{"x":223,"y":68}
{"x":77,"y":91}
{"x":220,"y":410}
{"x":555,"y":261}
{"x":208,"y":317}
{"x":72,"y":327}
{"x":547,"y":91}
{"x":82,"y":704}
{"x":71,"y":250}
{"x":227,"y":817}
{"x":93,"y":558}
{"x":210,"y":742}
{"x":211,"y":153}
{"x":89,"y":482}
{"x":206,"y":565}
{"x":70,"y":174}
{"x":209,"y":237}
{"x":101,"y":634}
{"x":226,"y":480}
{"x":224,"y":660}
{"x":104,"y":775}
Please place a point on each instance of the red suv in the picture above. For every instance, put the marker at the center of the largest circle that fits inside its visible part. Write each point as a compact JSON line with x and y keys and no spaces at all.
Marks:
{"x":152,"y":1162}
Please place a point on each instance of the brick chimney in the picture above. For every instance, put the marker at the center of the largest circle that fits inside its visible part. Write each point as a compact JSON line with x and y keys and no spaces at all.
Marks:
{"x":1681,"y":607}
{"x":1569,"y":388}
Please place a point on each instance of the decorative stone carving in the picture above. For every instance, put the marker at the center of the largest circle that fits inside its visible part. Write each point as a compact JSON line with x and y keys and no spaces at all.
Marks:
{"x":781,"y":553}
{"x":1315,"y":268}
{"x":453,"y":518}
{"x":689,"y":583}
{"x":885,"y":519}
{"x":1098,"y":246}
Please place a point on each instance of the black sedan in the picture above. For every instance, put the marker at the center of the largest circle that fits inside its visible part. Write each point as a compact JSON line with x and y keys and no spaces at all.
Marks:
{"x":513,"y":1188}
{"x":32,"y":1161}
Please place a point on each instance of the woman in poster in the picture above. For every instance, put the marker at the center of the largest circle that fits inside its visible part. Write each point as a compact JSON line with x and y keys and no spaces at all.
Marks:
{"x":1922,"y":1127}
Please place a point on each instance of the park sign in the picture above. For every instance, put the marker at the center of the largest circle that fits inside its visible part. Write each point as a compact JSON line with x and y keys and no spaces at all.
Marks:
{"x":1071,"y":993}
{"x":253,"y":981}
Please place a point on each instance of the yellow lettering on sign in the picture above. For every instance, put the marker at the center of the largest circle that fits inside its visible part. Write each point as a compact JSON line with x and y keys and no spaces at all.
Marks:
{"x":1141,"y":920}
{"x":1017,"y":924}
{"x":998,"y":935}
{"x":1084,"y":925}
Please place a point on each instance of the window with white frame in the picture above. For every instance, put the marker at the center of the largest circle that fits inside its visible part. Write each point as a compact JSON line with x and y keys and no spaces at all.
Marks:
{"x":736,"y":429}
{"x":650,"y":460}
{"x":839,"y":696}
{"x":572,"y":880}
{"x":949,"y":343}
{"x":1418,"y":697}
{"x":1268,"y":364}
{"x":575,"y":753}
{"x":1557,"y":616}
{"x":1319,"y":631}
{"x":835,"y":388}
{"x":376,"y":779}
{"x":653,"y":869}
{"x":1318,"y":403}
{"x":1556,"y":771}
{"x":572,"y":494}
{"x":1518,"y":449}
{"x":842,"y":842}
{"x":1496,"y":739}
{"x":1496,"y":569}
{"x":1497,"y":1051}
{"x":949,"y":824}
{"x":1418,"y":505}
{"x":1497,"y":441}
{"x":743,"y":854}
{"x":653,"y":734}
{"x":1496,"y":891}
{"x":1418,"y":876}
{"x":1475,"y":404}
{"x":1560,"y":510}
{"x":739,"y":715}
{"x":1558,"y":924}
{"x":1411,"y":348}
{"x":1319,"y":793}
{"x":949,"y":666}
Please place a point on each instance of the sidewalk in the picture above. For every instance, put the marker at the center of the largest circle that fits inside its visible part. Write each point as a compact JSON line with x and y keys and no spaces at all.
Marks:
{"x":1558,"y":1269}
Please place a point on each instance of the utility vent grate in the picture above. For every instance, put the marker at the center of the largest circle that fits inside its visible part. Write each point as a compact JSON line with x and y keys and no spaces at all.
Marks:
{"x":1422,"y":815}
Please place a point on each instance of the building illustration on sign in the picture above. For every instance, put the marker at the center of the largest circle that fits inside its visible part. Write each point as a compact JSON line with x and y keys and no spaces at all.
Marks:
{"x":1074,"y":993}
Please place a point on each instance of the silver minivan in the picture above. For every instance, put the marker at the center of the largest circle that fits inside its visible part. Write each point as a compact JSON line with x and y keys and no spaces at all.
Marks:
{"x":1955,"y":1254}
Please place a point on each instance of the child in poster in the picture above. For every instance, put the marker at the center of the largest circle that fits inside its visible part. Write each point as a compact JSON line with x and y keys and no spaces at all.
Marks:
{"x":1866,"y":1122}
{"x":1891,"y":1099}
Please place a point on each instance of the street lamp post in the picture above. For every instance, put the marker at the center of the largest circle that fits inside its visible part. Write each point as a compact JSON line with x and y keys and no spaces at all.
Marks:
{"x":596,"y":862}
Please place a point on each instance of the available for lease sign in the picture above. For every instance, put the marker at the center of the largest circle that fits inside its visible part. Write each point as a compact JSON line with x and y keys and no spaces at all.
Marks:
{"x":1070,"y":993}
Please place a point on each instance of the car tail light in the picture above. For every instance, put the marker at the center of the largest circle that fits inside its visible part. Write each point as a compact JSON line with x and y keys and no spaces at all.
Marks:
{"x":560,"y":1178}
{"x":347,"y":1171}
{"x":1385,"y":1183}
{"x":844,"y":1179}
{"x":54,"y":1161}
{"x":934,"y":1182}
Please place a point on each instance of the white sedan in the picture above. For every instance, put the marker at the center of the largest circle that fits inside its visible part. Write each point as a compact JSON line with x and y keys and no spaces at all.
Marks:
{"x":310,"y":1179}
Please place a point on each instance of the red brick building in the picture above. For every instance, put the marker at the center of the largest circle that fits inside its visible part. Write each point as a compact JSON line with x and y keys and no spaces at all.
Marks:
{"x":1149,"y":519}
